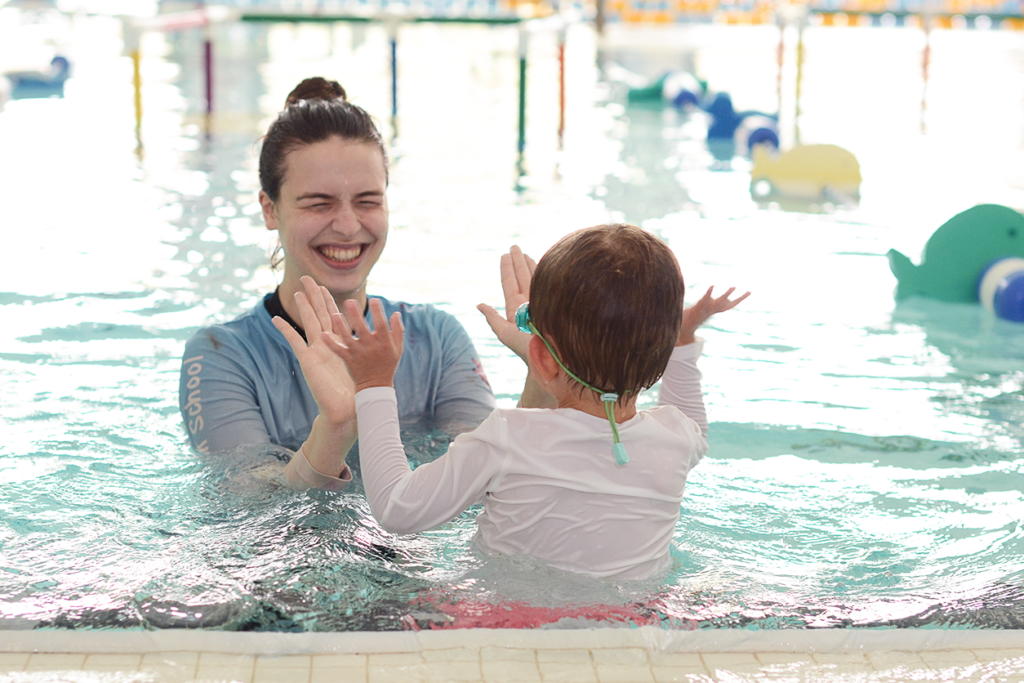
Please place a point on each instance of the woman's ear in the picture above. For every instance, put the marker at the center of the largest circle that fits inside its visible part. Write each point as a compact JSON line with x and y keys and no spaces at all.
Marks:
{"x":269,"y":216}
{"x":541,"y":360}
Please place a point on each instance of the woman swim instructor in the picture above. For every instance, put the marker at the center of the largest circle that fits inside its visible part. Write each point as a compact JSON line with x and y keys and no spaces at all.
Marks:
{"x":323,"y":176}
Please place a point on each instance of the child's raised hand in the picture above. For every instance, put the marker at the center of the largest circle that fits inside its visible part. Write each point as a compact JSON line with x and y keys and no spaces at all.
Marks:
{"x":697,"y":314}
{"x":372,"y":356}
{"x":516,"y":272}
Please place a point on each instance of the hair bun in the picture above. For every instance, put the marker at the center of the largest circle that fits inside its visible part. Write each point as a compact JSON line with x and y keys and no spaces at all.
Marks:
{"x":316,"y":88}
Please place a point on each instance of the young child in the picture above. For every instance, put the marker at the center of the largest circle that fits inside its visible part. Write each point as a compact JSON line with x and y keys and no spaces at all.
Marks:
{"x":593,"y":485}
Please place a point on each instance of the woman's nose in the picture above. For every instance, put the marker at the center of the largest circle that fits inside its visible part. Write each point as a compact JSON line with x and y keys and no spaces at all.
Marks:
{"x":346,"y":221}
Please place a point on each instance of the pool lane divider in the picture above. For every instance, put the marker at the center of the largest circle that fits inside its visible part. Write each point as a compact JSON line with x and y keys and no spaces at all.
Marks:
{"x":205,"y":17}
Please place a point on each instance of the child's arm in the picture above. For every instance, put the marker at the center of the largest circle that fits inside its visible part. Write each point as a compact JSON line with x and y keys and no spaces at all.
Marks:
{"x":680,"y":385}
{"x":698,"y":314}
{"x":401,"y":499}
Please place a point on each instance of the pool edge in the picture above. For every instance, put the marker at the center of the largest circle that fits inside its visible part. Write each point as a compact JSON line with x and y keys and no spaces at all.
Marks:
{"x":648,"y":637}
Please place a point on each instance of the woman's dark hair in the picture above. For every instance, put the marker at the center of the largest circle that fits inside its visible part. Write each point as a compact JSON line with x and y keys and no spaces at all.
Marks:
{"x":610,"y":300}
{"x":315,"y":110}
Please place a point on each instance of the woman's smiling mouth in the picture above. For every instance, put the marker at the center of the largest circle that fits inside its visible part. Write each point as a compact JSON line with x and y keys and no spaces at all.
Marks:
{"x":341,"y":254}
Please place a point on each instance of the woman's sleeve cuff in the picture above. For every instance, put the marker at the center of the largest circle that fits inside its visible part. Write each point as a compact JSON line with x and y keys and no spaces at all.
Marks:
{"x":300,"y":474}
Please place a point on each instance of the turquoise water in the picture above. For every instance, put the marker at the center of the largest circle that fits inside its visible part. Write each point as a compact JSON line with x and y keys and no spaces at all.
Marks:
{"x":865,"y":464}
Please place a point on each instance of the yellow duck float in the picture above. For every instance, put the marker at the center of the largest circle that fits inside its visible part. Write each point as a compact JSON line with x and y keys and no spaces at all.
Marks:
{"x":805,"y":172}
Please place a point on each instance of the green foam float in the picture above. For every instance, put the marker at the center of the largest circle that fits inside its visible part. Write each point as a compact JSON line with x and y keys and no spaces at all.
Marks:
{"x":957,"y":253}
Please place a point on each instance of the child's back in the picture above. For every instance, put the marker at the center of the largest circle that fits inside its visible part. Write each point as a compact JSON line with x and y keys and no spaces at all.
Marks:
{"x":549,"y":485}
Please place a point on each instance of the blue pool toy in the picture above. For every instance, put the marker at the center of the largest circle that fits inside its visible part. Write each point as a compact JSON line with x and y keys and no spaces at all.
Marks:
{"x":958,"y":252}
{"x":1001,"y":288}
{"x":729,"y":127}
{"x":31,"y":84}
{"x":678,"y":88}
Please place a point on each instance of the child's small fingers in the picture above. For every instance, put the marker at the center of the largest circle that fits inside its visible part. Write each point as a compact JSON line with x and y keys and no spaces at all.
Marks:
{"x":331,"y":342}
{"x":354,"y":317}
{"x":380,"y":323}
{"x":341,"y":327}
{"x":397,"y":330}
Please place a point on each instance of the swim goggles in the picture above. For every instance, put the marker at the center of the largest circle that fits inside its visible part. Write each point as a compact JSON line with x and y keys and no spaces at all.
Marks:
{"x":524,"y":323}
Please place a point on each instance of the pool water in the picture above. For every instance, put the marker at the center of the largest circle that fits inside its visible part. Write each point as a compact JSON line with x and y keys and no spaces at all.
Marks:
{"x":865,"y":467}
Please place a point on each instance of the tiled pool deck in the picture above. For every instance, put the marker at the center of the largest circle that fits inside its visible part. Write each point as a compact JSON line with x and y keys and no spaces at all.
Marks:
{"x":595,"y":656}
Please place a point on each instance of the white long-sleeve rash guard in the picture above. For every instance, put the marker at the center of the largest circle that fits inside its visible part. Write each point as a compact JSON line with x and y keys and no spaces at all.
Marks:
{"x":548,"y":480}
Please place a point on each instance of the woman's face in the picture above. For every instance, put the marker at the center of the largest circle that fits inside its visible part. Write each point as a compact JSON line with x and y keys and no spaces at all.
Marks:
{"x":331,"y":215}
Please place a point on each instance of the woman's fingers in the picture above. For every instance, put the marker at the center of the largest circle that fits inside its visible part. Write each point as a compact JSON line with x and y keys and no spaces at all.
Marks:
{"x":293,"y":338}
{"x":307,"y":316}
{"x":317,"y":298}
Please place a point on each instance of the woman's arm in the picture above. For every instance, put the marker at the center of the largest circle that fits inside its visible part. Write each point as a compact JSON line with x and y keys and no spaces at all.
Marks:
{"x":334,"y":429}
{"x":217,"y":394}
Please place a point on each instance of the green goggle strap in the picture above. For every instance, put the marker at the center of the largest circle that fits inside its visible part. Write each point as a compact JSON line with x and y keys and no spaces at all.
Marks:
{"x":609,"y":399}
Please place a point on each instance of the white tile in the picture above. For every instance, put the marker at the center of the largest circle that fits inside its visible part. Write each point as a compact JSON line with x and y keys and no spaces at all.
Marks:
{"x":280,"y":675}
{"x":567,"y":672}
{"x":464,"y":672}
{"x":624,"y":673}
{"x":13,"y":661}
{"x":396,"y":674}
{"x":107,"y":662}
{"x":565,"y":656}
{"x":510,"y":670}
{"x":679,"y":674}
{"x":456,"y":654}
{"x":688,"y":660}
{"x":242,"y":674}
{"x":992,"y":655}
{"x":999,"y":669}
{"x":335,"y":661}
{"x":621,"y":656}
{"x":784,"y":658}
{"x":285,"y":662}
{"x":948,"y":657}
{"x":890,"y":658}
{"x":344,"y":674}
{"x":221,"y":659}
{"x":736,"y":662}
{"x":507,"y":654}
{"x":163,"y":673}
{"x":404,"y":659}
{"x":55,"y":662}
{"x":840,"y":659}
{"x":182,"y":659}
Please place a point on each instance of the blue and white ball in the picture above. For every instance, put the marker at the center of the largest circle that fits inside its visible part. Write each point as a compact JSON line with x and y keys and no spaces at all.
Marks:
{"x":1001,"y":288}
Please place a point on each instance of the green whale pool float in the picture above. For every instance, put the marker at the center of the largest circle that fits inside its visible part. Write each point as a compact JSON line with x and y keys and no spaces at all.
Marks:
{"x":957,"y":253}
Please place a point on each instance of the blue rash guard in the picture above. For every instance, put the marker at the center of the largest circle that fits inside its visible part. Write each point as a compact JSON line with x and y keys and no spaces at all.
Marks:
{"x":242,"y":384}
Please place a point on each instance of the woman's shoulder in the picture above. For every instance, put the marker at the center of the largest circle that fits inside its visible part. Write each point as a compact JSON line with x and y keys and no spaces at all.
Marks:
{"x":252,"y":326}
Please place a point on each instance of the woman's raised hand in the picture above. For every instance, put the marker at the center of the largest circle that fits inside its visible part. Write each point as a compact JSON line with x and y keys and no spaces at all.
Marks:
{"x":516,"y":272}
{"x":697,"y":314}
{"x":326,"y":374}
